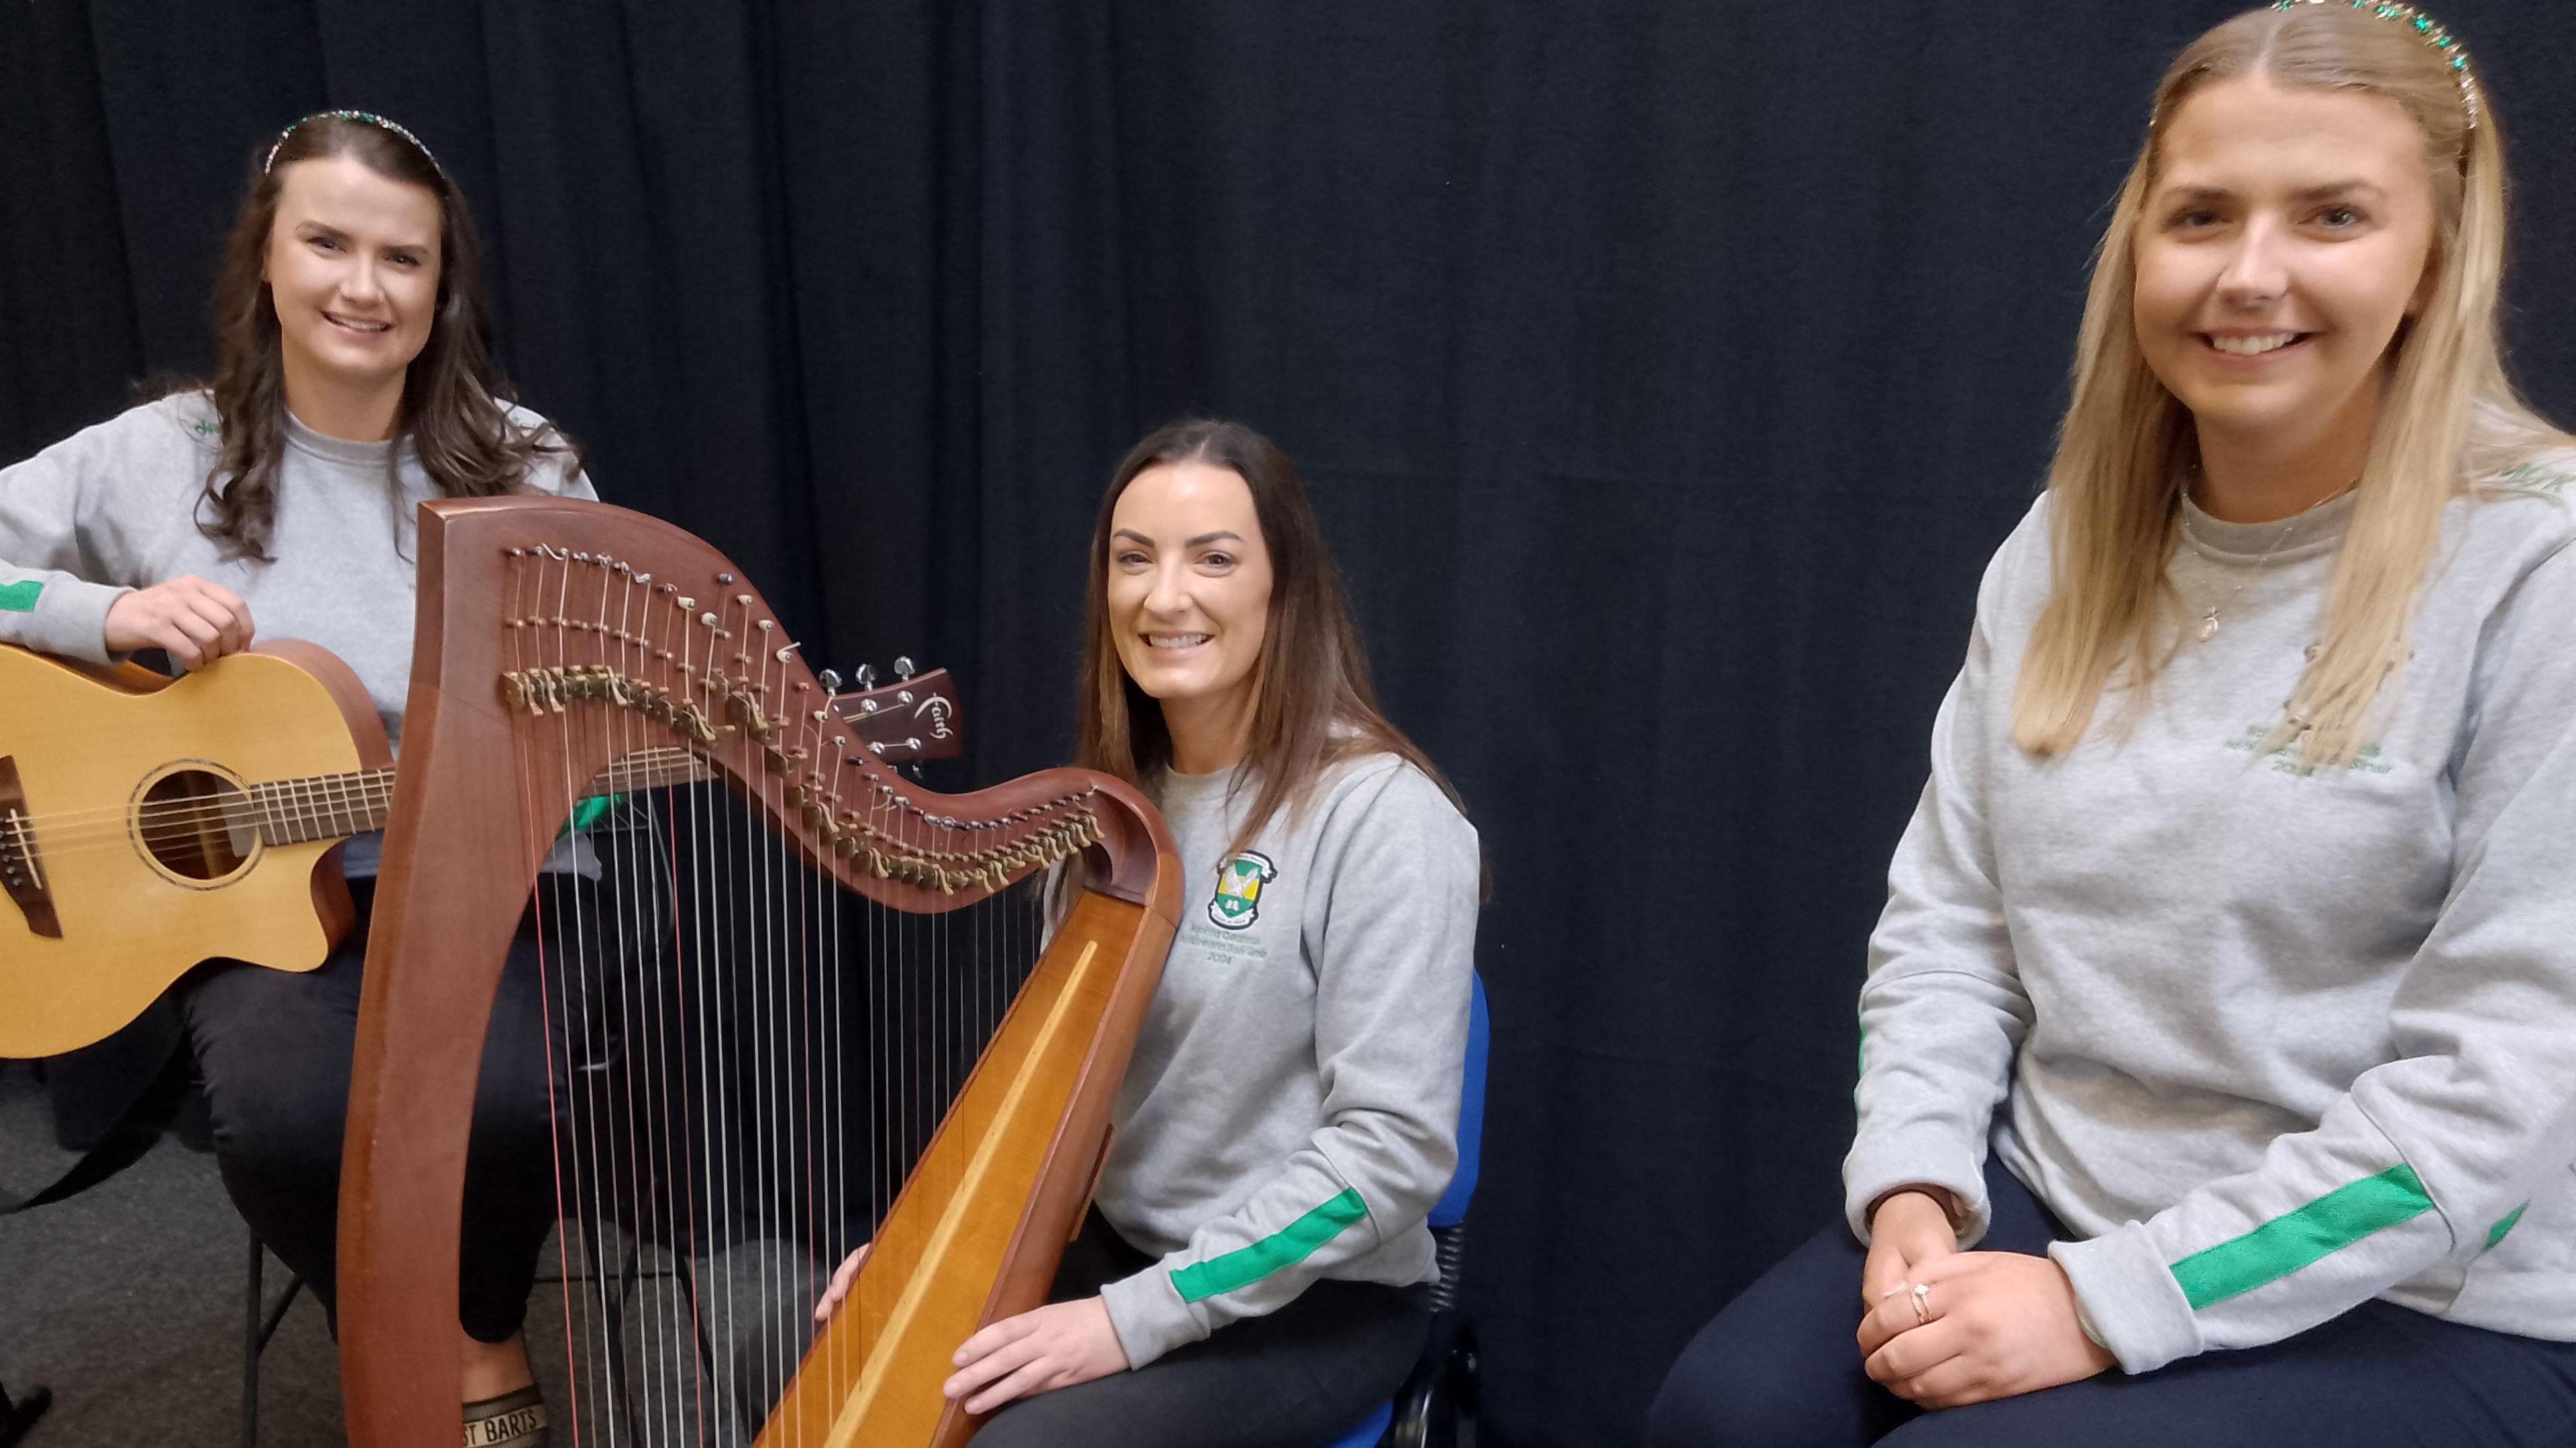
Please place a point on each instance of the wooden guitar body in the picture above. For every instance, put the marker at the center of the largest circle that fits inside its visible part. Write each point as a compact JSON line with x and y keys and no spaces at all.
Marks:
{"x":121,"y":797}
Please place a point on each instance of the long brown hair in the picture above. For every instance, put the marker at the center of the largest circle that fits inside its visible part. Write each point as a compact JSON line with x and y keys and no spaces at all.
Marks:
{"x":2449,"y":420}
{"x":454,"y":403}
{"x":1313,"y":704}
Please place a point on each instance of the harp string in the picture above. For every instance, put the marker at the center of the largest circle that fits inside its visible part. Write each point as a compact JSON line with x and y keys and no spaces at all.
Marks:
{"x":712,"y":997}
{"x":648,"y":1043}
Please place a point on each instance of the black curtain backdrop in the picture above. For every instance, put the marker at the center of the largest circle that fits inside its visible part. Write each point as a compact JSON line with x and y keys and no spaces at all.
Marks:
{"x":1664,"y":374}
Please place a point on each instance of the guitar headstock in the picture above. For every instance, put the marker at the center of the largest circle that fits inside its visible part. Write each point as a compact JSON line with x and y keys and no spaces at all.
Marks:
{"x":912,"y":719}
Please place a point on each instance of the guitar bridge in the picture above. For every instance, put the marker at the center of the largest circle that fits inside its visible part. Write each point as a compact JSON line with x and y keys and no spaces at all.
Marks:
{"x":22,"y":870}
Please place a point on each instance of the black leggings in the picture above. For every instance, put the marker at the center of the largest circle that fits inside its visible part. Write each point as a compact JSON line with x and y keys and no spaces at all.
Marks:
{"x":275,"y":1049}
{"x":1779,"y":1367}
{"x":1300,"y":1377}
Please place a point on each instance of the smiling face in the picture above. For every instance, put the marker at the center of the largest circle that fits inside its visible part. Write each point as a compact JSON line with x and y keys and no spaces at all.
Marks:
{"x":2289,"y":232}
{"x":352,"y":265}
{"x":1189,"y":592}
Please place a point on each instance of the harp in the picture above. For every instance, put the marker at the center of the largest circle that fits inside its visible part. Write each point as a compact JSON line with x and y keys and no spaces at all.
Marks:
{"x":555,"y":637}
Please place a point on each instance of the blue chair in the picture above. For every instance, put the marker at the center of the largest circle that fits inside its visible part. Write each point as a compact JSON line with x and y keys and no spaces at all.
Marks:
{"x":1443,"y":1382}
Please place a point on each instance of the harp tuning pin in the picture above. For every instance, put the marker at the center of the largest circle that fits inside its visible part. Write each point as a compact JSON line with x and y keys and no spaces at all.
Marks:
{"x":902,"y":667}
{"x":830,"y":680}
{"x":866,"y":678}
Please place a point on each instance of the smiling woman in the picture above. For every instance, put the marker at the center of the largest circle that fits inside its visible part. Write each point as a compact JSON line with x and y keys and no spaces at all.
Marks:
{"x":1255,"y":1270}
{"x":353,"y":381}
{"x":2241,"y":880}
{"x":351,"y":300}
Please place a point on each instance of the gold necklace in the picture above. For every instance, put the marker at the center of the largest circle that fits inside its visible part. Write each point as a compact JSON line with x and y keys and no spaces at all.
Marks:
{"x":2209,"y":620}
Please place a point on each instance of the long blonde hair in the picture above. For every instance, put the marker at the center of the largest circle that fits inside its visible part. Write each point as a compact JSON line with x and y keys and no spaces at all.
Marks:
{"x":2448,"y":419}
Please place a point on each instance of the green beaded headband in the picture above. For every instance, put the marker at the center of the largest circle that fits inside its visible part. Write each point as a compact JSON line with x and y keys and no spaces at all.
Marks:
{"x":2433,"y":33}
{"x":369,"y":117}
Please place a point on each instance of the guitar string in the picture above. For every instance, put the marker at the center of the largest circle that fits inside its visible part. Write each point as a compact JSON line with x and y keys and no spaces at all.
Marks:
{"x":350,"y":792}
{"x":356,"y":797}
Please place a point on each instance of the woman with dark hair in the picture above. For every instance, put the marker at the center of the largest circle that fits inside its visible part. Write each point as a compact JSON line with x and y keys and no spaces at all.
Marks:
{"x":353,"y":381}
{"x":1255,"y":1269}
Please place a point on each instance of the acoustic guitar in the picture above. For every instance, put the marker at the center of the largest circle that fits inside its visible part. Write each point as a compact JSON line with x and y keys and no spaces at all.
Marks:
{"x":147,"y":824}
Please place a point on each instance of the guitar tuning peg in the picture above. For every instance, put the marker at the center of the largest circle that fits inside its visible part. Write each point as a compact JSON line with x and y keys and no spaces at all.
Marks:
{"x":830,"y":680}
{"x":902,"y":667}
{"x":865,"y":679}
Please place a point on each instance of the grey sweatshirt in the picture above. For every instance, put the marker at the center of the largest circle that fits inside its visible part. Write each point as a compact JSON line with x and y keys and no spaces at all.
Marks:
{"x":2271,"y":1042}
{"x":113,"y":508}
{"x":1291,"y":1110}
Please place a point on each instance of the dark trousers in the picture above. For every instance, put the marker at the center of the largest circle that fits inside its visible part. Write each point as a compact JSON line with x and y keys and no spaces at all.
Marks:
{"x":1779,"y":1367}
{"x":275,"y":1049}
{"x":1300,"y":1377}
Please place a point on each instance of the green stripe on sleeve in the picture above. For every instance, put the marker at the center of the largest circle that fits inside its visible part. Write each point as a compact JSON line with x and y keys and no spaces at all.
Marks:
{"x":20,"y":597}
{"x":2495,"y":1234}
{"x":1286,"y":1247}
{"x":588,"y":812}
{"x":2289,"y":1242}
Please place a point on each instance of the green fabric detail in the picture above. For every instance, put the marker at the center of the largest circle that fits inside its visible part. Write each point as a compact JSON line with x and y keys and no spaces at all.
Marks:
{"x":2495,"y":1234}
{"x":2289,"y":1242}
{"x":19,"y":597}
{"x":1286,"y":1247}
{"x":589,"y":812}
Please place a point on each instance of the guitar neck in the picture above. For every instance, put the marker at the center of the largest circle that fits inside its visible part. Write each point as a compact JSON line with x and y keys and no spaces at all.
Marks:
{"x":334,"y":806}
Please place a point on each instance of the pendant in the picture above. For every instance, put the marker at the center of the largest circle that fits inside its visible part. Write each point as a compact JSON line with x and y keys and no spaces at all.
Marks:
{"x":2208,"y":625}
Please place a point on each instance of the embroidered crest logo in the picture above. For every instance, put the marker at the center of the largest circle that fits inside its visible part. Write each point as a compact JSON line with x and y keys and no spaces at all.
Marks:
{"x":1237,"y":902}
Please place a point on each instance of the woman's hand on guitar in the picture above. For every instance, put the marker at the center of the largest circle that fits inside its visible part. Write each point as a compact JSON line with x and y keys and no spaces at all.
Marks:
{"x":839,"y":1291}
{"x":1055,"y":1346}
{"x":194,"y":621}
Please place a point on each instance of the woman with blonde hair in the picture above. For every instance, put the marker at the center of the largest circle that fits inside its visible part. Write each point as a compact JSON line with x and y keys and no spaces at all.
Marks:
{"x":2245,"y":879}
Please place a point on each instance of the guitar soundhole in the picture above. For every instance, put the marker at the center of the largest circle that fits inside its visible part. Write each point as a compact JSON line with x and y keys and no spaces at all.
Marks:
{"x":197,"y":825}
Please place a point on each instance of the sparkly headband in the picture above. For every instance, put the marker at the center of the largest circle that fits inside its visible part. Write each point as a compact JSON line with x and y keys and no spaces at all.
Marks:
{"x":370,"y":117}
{"x":2433,"y":33}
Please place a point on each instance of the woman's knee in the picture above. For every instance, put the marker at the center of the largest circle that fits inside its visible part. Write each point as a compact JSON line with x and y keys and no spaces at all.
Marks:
{"x":1778,"y":1366}
{"x":1722,"y":1391}
{"x":278,"y":1125}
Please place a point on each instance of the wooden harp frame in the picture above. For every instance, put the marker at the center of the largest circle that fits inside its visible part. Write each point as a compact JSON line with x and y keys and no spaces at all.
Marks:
{"x":975,"y":1232}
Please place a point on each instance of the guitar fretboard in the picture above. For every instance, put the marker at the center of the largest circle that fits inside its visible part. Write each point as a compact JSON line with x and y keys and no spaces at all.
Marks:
{"x":322,"y":806}
{"x":333,"y":806}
